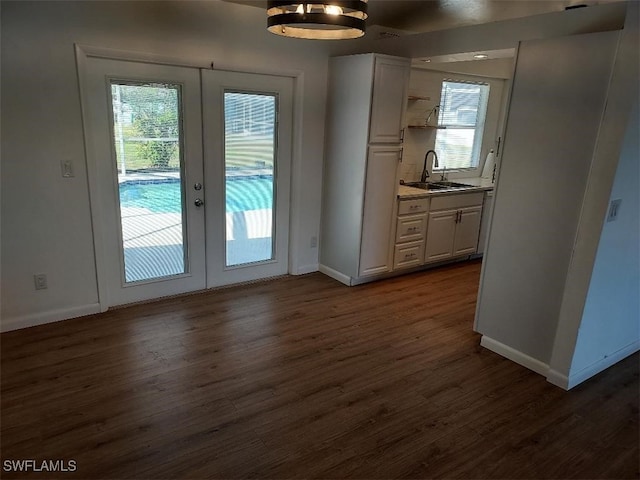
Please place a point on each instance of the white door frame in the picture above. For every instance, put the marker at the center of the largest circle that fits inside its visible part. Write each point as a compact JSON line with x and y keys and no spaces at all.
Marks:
{"x":83,"y":52}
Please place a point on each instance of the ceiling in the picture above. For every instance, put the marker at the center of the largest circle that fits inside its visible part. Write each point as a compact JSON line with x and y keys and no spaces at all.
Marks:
{"x":419,"y":16}
{"x":468,"y":56}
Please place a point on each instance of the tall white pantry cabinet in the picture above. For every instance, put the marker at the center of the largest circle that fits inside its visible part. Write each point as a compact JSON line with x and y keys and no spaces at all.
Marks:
{"x":366,"y":102}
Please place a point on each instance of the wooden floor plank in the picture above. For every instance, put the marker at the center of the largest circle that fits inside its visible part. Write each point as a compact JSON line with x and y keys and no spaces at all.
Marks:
{"x":302,"y":377}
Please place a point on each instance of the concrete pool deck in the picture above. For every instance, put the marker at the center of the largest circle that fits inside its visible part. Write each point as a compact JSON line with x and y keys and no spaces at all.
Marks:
{"x":153,"y":241}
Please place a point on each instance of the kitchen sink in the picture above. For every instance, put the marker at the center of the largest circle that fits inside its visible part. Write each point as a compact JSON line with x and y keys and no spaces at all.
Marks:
{"x":444,"y":185}
{"x":447,"y":184}
{"x":425,"y":185}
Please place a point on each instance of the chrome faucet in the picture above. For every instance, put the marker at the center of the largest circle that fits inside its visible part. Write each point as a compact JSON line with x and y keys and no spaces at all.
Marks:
{"x":425,"y":172}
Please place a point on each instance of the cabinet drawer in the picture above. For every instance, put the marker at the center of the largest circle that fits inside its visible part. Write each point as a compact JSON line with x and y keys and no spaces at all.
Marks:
{"x":411,"y":228}
{"x":460,"y":200}
{"x":408,"y":255}
{"x":414,"y":205}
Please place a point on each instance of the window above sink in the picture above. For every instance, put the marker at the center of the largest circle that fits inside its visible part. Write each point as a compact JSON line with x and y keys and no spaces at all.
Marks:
{"x":453,"y":118}
{"x":463,"y":108}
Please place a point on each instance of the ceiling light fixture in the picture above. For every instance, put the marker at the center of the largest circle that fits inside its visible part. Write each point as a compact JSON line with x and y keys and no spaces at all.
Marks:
{"x":481,"y":56}
{"x":329,"y":20}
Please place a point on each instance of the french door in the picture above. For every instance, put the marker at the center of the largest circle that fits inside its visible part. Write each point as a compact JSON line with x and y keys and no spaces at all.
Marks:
{"x":168,"y":220}
{"x":247,"y":149}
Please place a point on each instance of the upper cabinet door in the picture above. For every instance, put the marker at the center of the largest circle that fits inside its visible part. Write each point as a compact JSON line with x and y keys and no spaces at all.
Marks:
{"x":390,"y":86}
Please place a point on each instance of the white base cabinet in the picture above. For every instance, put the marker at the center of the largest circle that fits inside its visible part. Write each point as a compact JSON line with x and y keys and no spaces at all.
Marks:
{"x":411,"y":226}
{"x":441,"y":235}
{"x":467,"y":234}
{"x":453,"y":226}
{"x":408,"y":255}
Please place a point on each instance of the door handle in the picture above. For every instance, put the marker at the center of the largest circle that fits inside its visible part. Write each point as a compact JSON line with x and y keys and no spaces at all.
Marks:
{"x":197,"y":186}
{"x":198,"y":202}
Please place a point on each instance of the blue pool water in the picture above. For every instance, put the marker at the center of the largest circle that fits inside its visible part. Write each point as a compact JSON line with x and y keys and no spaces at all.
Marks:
{"x":247,"y":193}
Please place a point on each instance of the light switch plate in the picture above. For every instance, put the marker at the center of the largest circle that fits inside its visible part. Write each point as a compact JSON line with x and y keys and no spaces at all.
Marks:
{"x":614,"y":209}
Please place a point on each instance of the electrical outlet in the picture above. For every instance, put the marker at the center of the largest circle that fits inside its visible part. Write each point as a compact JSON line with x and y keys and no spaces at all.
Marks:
{"x":314,"y":242}
{"x":40,"y":279}
{"x":67,"y":168}
{"x":614,"y":209}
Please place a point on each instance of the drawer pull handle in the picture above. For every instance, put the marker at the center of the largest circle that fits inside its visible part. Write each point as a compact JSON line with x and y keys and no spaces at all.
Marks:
{"x":409,"y":255}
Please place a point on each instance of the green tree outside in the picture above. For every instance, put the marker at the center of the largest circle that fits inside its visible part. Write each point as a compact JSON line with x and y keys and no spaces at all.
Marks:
{"x":154,"y":130}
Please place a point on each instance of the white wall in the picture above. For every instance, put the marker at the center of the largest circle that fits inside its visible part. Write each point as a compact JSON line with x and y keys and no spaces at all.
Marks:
{"x":427,"y":83}
{"x":46,"y":223}
{"x":572,"y":337}
{"x":558,"y":321}
{"x":559,"y":94}
{"x":611,"y":319}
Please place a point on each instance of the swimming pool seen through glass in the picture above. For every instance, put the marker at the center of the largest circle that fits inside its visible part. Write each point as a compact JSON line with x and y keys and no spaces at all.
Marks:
{"x":244,"y":193}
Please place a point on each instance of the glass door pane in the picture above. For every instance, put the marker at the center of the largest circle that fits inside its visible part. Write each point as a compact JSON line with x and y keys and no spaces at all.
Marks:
{"x":147,"y":139}
{"x":250,"y":151}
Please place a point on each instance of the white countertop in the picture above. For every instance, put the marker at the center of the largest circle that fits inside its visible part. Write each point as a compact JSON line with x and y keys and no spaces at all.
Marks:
{"x":478,"y":184}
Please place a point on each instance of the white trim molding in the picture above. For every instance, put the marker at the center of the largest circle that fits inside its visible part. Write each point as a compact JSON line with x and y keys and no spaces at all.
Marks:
{"x":304,"y":269}
{"x":33,"y":320}
{"x":602,"y":364}
{"x":514,"y":355}
{"x":553,"y":376}
{"x":160,"y":59}
{"x":558,"y":379}
{"x":341,"y":277}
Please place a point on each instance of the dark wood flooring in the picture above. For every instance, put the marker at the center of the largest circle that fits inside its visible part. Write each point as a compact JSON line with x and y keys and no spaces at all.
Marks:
{"x":302,"y":377}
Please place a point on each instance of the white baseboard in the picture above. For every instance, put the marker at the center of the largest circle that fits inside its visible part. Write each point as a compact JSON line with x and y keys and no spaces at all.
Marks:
{"x":515,"y":355}
{"x":25,"y":321}
{"x":597,"y":367}
{"x":558,"y":379}
{"x":341,"y":277}
{"x":553,"y":376}
{"x":303,"y":270}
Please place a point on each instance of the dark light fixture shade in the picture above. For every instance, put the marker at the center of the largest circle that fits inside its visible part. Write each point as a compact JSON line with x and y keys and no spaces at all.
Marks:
{"x":319,"y":20}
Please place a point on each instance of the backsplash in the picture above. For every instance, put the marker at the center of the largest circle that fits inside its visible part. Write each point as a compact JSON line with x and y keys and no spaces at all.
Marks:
{"x":416,"y":144}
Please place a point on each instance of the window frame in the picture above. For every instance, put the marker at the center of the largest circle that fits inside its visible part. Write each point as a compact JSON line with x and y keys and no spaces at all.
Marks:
{"x":479,"y":128}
